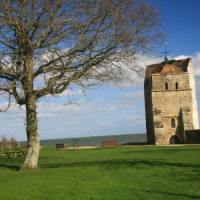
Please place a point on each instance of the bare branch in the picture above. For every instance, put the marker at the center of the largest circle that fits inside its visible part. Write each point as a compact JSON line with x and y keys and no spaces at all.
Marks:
{"x":48,"y":45}
{"x":8,"y":106}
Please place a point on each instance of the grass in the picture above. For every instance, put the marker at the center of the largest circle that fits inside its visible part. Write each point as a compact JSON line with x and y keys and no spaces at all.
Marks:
{"x":125,"y":173}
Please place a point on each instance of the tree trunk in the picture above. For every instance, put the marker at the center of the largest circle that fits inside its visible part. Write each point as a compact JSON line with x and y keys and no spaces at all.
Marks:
{"x":33,"y":141}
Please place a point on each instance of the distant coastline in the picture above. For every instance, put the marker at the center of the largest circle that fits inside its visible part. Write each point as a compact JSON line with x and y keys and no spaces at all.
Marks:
{"x":97,"y":140}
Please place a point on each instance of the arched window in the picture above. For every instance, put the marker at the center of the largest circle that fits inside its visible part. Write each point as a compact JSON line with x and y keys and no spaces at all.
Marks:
{"x":166,"y":86}
{"x":173,"y":123}
{"x":176,"y":85}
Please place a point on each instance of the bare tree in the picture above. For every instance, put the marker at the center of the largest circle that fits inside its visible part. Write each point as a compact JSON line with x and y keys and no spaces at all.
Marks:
{"x":48,"y":45}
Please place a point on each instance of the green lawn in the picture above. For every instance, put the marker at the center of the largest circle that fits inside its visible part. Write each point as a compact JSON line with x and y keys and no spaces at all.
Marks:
{"x":123,"y":173}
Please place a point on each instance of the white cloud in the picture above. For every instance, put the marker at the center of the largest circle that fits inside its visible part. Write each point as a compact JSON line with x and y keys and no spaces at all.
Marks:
{"x":73,"y":92}
{"x":123,"y":111}
{"x":134,"y":65}
{"x":133,"y":95}
{"x":144,"y":60}
{"x":195,"y":61}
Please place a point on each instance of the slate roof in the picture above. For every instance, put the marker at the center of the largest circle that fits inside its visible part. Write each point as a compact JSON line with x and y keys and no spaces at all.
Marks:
{"x":169,"y":66}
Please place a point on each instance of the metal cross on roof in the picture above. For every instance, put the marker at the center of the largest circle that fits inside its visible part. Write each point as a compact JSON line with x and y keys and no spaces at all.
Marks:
{"x":166,"y":52}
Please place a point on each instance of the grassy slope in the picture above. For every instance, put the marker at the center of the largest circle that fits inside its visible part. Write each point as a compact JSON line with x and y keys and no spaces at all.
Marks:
{"x":105,"y":174}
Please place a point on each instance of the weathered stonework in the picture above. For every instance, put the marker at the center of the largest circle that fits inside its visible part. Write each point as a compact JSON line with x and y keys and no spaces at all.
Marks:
{"x":170,"y":101}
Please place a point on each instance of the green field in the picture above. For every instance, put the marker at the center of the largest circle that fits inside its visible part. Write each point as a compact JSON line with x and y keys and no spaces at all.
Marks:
{"x":123,"y":173}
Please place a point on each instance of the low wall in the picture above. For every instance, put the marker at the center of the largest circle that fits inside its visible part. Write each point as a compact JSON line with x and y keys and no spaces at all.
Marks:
{"x":192,"y":136}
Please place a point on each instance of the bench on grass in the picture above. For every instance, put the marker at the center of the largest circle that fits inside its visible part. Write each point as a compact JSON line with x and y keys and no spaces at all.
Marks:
{"x":110,"y":143}
{"x":61,"y":146}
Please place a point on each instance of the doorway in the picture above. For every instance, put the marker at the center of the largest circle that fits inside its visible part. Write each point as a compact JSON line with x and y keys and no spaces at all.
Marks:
{"x":174,"y":139}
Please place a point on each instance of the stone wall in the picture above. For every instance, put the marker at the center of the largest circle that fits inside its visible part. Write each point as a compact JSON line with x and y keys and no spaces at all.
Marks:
{"x":194,"y":98}
{"x":164,"y":104}
{"x":170,"y":101}
{"x":192,"y":136}
{"x":149,"y":117}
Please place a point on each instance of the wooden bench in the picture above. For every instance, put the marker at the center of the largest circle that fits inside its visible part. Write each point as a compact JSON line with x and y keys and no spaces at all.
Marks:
{"x":13,"y":154}
{"x":3,"y":155}
{"x":110,"y":143}
{"x":61,"y":146}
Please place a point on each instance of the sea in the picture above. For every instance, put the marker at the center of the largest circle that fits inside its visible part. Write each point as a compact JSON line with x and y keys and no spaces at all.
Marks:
{"x":138,"y":138}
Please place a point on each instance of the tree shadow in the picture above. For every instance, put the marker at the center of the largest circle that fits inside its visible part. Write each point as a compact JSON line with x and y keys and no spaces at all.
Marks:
{"x":12,"y":164}
{"x":14,"y":167}
{"x":121,"y":163}
{"x":190,"y":171}
{"x":176,"y":194}
{"x":172,"y":149}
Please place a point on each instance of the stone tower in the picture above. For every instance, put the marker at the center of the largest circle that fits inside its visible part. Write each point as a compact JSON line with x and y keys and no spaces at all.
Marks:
{"x":170,"y":101}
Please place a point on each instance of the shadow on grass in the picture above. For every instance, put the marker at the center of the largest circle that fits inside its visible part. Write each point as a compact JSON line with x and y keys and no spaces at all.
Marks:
{"x":189,"y":171}
{"x":13,"y":164}
{"x":163,"y":150}
{"x":176,"y":194}
{"x":108,"y":164}
{"x":14,"y":167}
{"x":122,"y":163}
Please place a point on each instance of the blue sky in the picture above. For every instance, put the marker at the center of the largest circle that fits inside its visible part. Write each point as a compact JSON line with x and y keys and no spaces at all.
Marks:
{"x":180,"y":23}
{"x":112,"y":109}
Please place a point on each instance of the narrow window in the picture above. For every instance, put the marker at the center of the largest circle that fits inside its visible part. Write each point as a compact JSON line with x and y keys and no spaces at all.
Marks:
{"x":166,"y":86}
{"x":173,"y":123}
{"x":176,"y":85}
